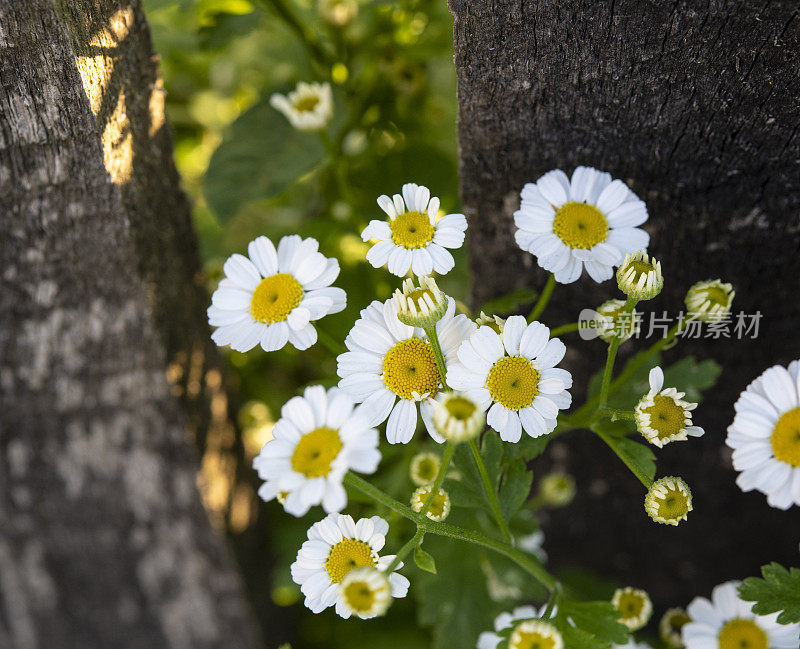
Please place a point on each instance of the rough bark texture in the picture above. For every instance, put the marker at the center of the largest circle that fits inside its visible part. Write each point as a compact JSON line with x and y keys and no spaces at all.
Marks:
{"x":104,"y":541}
{"x":695,"y":105}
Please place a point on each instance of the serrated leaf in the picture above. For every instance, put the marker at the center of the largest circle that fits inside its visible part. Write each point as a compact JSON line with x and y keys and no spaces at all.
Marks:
{"x":779,"y":590}
{"x":515,"y":488}
{"x":510,"y":302}
{"x":527,"y":448}
{"x":259,"y":157}
{"x":692,"y":377}
{"x":424,"y":560}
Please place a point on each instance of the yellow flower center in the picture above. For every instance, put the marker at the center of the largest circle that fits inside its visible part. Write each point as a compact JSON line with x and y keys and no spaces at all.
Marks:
{"x":786,"y":438}
{"x":535,"y":640}
{"x":275,"y":297}
{"x":427,"y":470}
{"x":667,"y":418}
{"x":346,"y":555}
{"x":359,"y":596}
{"x":742,"y":634}
{"x":316,"y":451}
{"x":437,"y":508}
{"x":677,"y":621}
{"x":410,"y":367}
{"x":412,"y":230}
{"x":460,"y":408}
{"x":513,"y":382}
{"x":674,"y":505}
{"x":716,"y":295}
{"x":639,"y":268}
{"x":580,"y":225}
{"x":306,"y":104}
{"x":630,"y":605}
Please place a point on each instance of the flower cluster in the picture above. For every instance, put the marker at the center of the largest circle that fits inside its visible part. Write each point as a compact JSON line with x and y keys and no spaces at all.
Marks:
{"x":414,"y":357}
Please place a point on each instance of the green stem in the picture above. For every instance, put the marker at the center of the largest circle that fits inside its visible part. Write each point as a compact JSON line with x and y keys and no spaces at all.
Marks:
{"x":437,"y":483}
{"x":307,"y":38}
{"x":566,"y":328}
{"x":612,"y":354}
{"x":334,"y":346}
{"x":544,"y":298}
{"x":433,"y":338}
{"x":491,"y":494}
{"x":525,"y":561}
{"x":614,"y":414}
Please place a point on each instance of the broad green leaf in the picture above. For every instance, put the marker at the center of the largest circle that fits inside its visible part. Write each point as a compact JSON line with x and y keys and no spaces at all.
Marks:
{"x":455,"y":602}
{"x":515,"y":488}
{"x":600,"y":619}
{"x":424,"y":560}
{"x":527,"y":448}
{"x":692,"y":377}
{"x":779,"y":590}
{"x":510,"y":302}
{"x":260,"y":156}
{"x":637,"y":457}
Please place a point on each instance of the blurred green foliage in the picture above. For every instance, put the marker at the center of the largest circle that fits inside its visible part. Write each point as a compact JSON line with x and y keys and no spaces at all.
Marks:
{"x":250,"y":173}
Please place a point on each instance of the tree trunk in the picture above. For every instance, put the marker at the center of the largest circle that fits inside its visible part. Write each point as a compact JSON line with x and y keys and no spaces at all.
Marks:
{"x":104,"y":540}
{"x":695,"y":106}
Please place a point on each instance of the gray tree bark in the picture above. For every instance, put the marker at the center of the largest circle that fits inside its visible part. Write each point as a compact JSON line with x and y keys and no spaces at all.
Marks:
{"x":104,"y":541}
{"x":695,"y":105}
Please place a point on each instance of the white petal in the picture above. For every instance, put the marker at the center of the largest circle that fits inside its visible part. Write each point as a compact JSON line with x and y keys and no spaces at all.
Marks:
{"x":262,"y":251}
{"x":275,"y":337}
{"x":402,"y":422}
{"x":242,"y":271}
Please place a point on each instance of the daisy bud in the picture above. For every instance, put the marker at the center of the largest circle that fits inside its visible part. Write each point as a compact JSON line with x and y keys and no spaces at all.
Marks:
{"x":424,"y":468}
{"x":338,"y":13}
{"x":668,"y":501}
{"x":493,"y":321}
{"x":670,"y":627}
{"x":535,"y":633}
{"x":456,"y":417}
{"x":440,"y":507}
{"x":421,"y":306}
{"x":639,"y":276}
{"x":710,"y":301}
{"x":309,"y":107}
{"x":614,"y":321}
{"x":557,"y":489}
{"x":366,"y":592}
{"x":634,"y":606}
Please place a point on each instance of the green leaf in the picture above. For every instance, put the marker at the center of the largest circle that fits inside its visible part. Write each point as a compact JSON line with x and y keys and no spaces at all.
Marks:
{"x":424,"y":560}
{"x":455,"y":602}
{"x":779,"y":590}
{"x":260,"y":156}
{"x":626,"y":396}
{"x":515,"y":488}
{"x":527,"y":448}
{"x":600,"y":619}
{"x":692,"y":377}
{"x":468,"y":490}
{"x":637,"y":457}
{"x":510,"y":302}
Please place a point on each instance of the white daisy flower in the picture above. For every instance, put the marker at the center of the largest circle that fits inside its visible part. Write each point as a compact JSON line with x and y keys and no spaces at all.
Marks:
{"x":490,"y":640}
{"x":516,"y":373}
{"x":612,"y":320}
{"x":272,"y":297}
{"x":533,"y":544}
{"x":670,"y":626}
{"x":391,"y":367}
{"x":420,"y":306}
{"x":710,"y":301}
{"x":589,"y":221}
{"x":668,"y":501}
{"x":318,"y":439}
{"x":335,"y":546}
{"x":365,"y":593}
{"x":493,"y":321}
{"x":765,"y":436}
{"x":412,"y":238}
{"x":726,"y":622}
{"x":662,"y":416}
{"x":309,"y":107}
{"x":634,"y":606}
{"x":535,"y":633}
{"x":557,"y":489}
{"x":456,"y":417}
